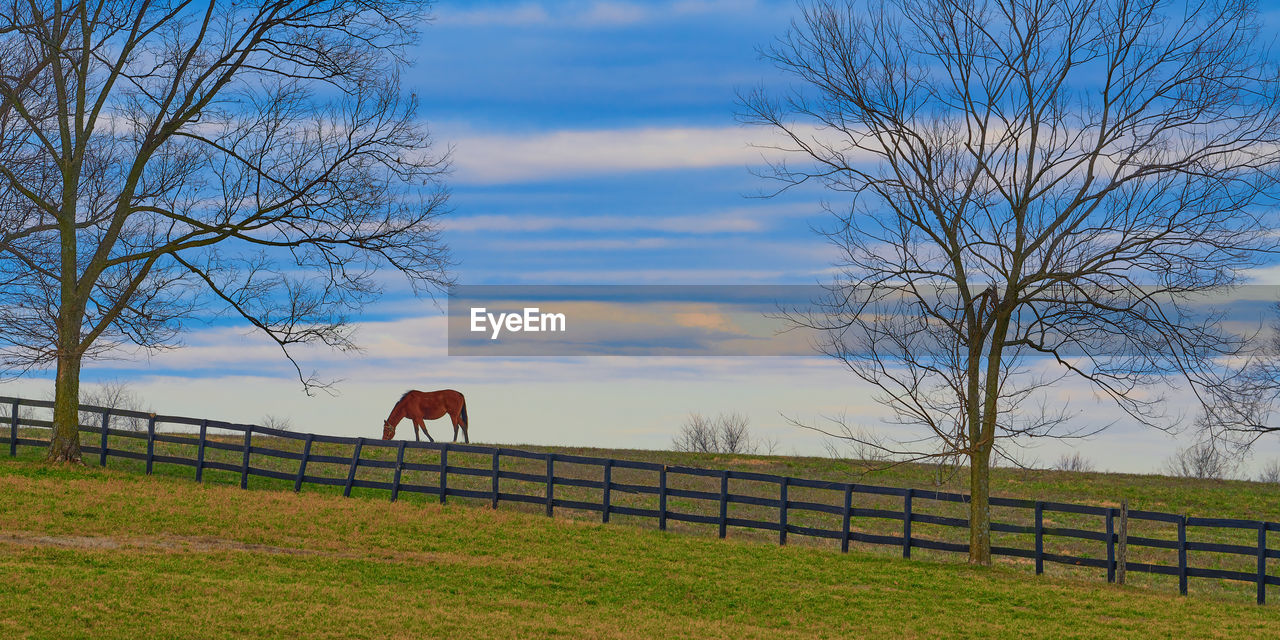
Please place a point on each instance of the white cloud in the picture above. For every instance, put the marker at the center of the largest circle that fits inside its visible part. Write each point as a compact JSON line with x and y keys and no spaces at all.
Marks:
{"x":614,"y":14}
{"x":523,"y":14}
{"x":490,"y":158}
{"x":1269,"y":275}
{"x":594,"y":244}
{"x":497,"y":158}
{"x":677,"y":224}
{"x":599,"y":13}
{"x":736,"y":220}
{"x":654,"y":276}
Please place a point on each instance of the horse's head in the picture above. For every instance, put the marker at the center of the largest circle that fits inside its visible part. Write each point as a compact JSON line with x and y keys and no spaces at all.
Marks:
{"x":388,"y":431}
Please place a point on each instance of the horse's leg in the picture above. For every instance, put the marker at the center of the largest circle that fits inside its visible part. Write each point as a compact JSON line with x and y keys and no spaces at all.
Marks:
{"x":457,"y":422}
{"x":453,"y":417}
{"x":415,"y":430}
{"x":419,"y":421}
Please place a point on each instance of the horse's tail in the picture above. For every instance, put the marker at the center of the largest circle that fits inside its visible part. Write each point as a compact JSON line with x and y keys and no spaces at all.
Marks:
{"x":464,"y":413}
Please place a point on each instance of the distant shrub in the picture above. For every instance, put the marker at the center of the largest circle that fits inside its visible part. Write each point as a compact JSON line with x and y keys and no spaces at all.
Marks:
{"x":1073,"y":462}
{"x":113,"y":394}
{"x":283,"y":423}
{"x":1270,"y":472}
{"x":1201,"y":460}
{"x":726,"y":433}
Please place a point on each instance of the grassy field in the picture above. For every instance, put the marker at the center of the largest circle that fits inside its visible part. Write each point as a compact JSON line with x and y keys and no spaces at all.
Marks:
{"x":1234,"y":499}
{"x":110,"y":553}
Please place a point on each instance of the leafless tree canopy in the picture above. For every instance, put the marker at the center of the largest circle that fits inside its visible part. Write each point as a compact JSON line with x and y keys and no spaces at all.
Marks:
{"x":1202,"y":461}
{"x":113,"y":394}
{"x":1032,"y":190}
{"x":162,"y":161}
{"x":1270,"y":472}
{"x":726,"y":433}
{"x":1074,"y":461}
{"x":1243,"y":417}
{"x":261,"y":152}
{"x":282,"y":423}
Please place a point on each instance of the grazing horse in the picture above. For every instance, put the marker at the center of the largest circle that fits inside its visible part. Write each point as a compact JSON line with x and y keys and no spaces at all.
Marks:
{"x":428,"y":405}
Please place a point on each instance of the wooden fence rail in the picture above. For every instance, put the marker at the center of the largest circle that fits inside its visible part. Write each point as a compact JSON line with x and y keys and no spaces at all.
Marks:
{"x":842,"y":503}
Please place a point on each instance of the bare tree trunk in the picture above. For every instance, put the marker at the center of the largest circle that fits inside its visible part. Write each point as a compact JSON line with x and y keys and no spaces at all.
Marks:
{"x":981,"y":447}
{"x":64,"y":446}
{"x":979,"y":506}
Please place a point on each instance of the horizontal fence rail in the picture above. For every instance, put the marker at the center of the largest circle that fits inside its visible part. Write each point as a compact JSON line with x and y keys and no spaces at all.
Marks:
{"x":842,"y":502}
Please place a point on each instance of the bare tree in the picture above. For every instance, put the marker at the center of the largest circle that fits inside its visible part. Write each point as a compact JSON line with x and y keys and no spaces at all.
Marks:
{"x":1201,"y":460}
{"x":735,"y":433}
{"x":726,"y":433}
{"x":697,"y":435}
{"x":843,"y":441}
{"x":160,"y":162}
{"x":1270,"y":472}
{"x":1073,"y":461}
{"x":1239,"y":419}
{"x":282,"y":423}
{"x":1042,"y":178}
{"x":114,"y":394}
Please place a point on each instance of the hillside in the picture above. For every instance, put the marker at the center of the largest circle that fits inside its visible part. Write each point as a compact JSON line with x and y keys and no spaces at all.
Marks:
{"x":109,"y":553}
{"x":470,"y":476}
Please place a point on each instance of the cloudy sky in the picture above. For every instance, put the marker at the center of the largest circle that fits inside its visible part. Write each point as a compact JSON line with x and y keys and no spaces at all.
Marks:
{"x":593,"y":143}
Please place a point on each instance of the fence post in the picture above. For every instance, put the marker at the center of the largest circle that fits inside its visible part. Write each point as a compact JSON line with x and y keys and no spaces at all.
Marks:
{"x":1182,"y":555}
{"x":204,"y":428}
{"x":444,"y":471}
{"x":151,"y":442}
{"x":1262,"y":563}
{"x":1122,"y":552}
{"x":497,"y":453}
{"x":102,"y":453}
{"x":395,"y":482}
{"x":13,"y":430}
{"x":608,"y":489}
{"x":662,"y":498}
{"x":724,"y":503}
{"x":906,"y":523}
{"x":848,"y":512}
{"x":351,"y":473}
{"x":302,"y":464}
{"x":1039,"y":537}
{"x":782,"y":509}
{"x":244,"y":463}
{"x":1111,"y":545}
{"x":551,"y":486}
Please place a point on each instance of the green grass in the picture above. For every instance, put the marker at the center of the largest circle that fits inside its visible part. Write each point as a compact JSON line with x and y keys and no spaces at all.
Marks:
{"x":87,"y":552}
{"x":1232,"y":499}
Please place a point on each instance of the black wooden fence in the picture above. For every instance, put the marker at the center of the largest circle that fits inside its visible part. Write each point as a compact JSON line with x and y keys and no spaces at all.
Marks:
{"x":842,"y":503}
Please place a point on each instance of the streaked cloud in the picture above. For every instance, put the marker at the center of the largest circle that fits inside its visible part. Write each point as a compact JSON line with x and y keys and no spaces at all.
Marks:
{"x":502,"y":158}
{"x":735,"y":220}
{"x":608,"y":275}
{"x":599,"y":13}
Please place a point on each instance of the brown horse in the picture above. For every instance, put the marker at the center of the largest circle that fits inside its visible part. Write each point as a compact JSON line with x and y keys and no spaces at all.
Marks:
{"x":428,"y":405}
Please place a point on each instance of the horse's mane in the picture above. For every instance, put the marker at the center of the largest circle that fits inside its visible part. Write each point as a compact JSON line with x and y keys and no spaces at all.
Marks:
{"x":406,"y":395}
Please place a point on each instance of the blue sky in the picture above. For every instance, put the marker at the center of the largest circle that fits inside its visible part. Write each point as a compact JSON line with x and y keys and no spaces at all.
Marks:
{"x":596,"y":142}
{"x":593,"y":143}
